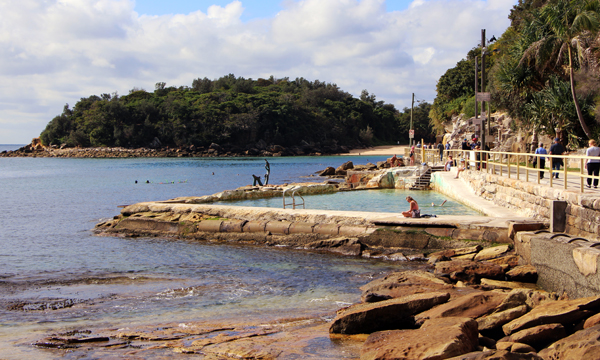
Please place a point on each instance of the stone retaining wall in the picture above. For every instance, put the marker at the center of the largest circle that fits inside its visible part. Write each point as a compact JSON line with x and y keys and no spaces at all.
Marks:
{"x":533,"y":200}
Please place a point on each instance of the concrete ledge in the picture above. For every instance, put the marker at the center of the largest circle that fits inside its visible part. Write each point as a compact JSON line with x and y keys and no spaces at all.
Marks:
{"x":254,"y":226}
{"x":327,"y":229}
{"x":232,"y":225}
{"x":209,"y":225}
{"x":278,"y":227}
{"x":301,"y":228}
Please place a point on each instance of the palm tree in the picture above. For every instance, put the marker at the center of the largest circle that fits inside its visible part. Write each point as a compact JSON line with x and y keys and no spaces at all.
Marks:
{"x":566,"y":21}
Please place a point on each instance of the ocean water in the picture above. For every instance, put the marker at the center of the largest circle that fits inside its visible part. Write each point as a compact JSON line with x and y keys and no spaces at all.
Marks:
{"x":55,"y":275}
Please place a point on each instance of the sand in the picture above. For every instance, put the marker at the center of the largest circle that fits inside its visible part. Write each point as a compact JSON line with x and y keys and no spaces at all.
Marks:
{"x":380,"y":150}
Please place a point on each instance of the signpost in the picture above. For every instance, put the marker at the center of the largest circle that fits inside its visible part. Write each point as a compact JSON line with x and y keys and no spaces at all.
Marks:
{"x":411,"y":134}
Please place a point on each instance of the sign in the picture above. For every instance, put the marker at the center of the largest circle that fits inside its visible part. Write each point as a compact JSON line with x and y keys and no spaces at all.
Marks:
{"x":483,"y":96}
{"x":411,"y":134}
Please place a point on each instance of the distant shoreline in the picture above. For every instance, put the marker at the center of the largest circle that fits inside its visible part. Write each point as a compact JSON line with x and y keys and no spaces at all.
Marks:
{"x":379,"y":150}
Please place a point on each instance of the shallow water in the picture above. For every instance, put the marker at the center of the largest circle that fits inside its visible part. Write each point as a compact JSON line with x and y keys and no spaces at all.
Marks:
{"x":56,"y":276}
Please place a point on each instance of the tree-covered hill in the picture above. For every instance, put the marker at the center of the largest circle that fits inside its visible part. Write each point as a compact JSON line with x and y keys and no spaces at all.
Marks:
{"x":234,"y":111}
{"x":543,"y":71}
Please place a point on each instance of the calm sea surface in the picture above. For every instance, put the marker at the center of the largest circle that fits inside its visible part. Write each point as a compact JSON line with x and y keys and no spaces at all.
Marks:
{"x":49,"y":259}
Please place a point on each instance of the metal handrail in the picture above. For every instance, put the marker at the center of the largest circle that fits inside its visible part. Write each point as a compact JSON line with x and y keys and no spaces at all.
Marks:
{"x":293,"y":203}
{"x":500,"y":161}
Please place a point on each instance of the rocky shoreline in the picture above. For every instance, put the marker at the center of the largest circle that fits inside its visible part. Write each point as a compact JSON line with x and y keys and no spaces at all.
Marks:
{"x":36,"y":149}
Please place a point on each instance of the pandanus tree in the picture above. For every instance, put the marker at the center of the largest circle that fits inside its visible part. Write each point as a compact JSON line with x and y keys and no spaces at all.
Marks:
{"x":566,"y":22}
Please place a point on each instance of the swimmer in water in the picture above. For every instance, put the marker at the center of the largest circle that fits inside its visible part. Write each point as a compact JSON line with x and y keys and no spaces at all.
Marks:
{"x":442,"y":204}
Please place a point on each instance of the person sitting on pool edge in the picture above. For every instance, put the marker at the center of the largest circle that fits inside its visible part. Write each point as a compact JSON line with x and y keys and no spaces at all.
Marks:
{"x":413,"y":211}
{"x":461,"y":167}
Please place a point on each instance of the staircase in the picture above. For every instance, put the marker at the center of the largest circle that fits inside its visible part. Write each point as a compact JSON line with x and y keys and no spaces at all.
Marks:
{"x":424,"y":180}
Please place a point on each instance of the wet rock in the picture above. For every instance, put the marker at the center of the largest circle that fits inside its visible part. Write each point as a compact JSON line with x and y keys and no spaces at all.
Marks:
{"x":396,"y":257}
{"x":329,"y":171}
{"x":563,"y":312}
{"x":385,"y":315}
{"x":491,"y":252}
{"x":523,"y":273}
{"x":343,"y":245}
{"x":498,"y":319}
{"x":539,"y":336}
{"x":404,"y":283}
{"x":457,"y":252}
{"x":469,"y":271}
{"x":582,"y":345}
{"x":436,"y":339}
{"x":472,"y":305}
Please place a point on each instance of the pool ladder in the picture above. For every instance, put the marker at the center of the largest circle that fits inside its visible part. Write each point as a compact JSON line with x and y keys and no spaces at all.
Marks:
{"x":293,"y":203}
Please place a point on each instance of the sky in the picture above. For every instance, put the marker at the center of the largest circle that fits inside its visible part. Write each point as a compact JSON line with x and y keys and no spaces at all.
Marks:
{"x":54,"y":52}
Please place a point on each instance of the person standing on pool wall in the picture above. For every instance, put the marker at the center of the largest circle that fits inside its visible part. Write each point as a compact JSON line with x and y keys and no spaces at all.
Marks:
{"x":413,"y":211}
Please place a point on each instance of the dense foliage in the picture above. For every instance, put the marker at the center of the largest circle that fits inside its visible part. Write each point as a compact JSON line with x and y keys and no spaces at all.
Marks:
{"x":229,"y":110}
{"x":544,"y":70}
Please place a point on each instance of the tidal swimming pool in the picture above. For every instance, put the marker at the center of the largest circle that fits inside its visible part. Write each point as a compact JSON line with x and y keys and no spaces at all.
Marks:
{"x":380,"y":200}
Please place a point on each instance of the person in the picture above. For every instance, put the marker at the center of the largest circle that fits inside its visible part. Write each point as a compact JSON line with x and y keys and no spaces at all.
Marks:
{"x":449,"y":163}
{"x":540,"y":150}
{"x":478,"y":156}
{"x":461,"y":167}
{"x":442,"y":204}
{"x":441,"y":149}
{"x":412,"y":155}
{"x":473,"y":143}
{"x":418,"y":145}
{"x":593,"y":165}
{"x":413,"y":211}
{"x":393,"y":160}
{"x":465,"y":145}
{"x":556,"y":149}
{"x":448,"y":145}
{"x":268,"y":173}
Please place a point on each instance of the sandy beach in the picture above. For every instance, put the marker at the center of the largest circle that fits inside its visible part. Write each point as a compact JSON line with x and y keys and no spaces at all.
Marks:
{"x":380,"y":150}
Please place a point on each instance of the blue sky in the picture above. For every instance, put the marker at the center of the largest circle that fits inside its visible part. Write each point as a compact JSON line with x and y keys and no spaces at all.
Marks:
{"x":55,"y":52}
{"x":256,"y":9}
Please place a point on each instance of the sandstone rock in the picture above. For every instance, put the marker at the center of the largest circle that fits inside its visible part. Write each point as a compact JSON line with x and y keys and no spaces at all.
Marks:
{"x":469,"y":271}
{"x":404,"y":283}
{"x":348,"y":165}
{"x":472,"y":305}
{"x":523,"y":273}
{"x":510,"y":260}
{"x":343,"y":245}
{"x":518,"y":297}
{"x":436,"y":339}
{"x":539,"y":336}
{"x":385,"y":315}
{"x":491,"y":252}
{"x":582,"y":345}
{"x":514,"y":347}
{"x":457,"y":252}
{"x":498,"y":319}
{"x":507,"y":284}
{"x":592,"y":321}
{"x":464,"y":257}
{"x":434,"y":259}
{"x":328,"y":171}
{"x":497,"y":355}
{"x":396,"y":257}
{"x":563,"y":312}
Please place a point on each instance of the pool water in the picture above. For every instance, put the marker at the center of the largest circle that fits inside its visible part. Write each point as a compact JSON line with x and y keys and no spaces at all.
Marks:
{"x":380,"y":200}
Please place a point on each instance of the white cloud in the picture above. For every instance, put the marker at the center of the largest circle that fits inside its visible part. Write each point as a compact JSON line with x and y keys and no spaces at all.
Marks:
{"x":57,"y":51}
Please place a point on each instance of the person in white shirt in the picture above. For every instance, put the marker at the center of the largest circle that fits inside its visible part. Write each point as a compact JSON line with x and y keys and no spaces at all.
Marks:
{"x":593,"y":165}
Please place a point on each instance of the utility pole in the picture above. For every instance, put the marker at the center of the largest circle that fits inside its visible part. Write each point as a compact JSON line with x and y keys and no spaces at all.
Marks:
{"x":412,"y":104}
{"x":476,"y":87}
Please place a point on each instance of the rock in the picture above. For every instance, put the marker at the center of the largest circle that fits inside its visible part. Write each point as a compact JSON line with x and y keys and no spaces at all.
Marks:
{"x":498,"y":319}
{"x":523,"y":273}
{"x":436,"y":339}
{"x":518,"y":297}
{"x":343,"y":245}
{"x":396,"y":257}
{"x":487,"y":342}
{"x":216,"y":147}
{"x":582,"y":345}
{"x":507,"y":284}
{"x":404,"y":283}
{"x":385,"y":315}
{"x":469,"y":271}
{"x":592,"y":321}
{"x":510,"y":260}
{"x":340,"y":172}
{"x":348,"y":165}
{"x":497,"y":355}
{"x":563,"y":312}
{"x":457,"y":252}
{"x":514,"y":347}
{"x":491,"y":252}
{"x":371,"y":298}
{"x":329,"y":171}
{"x":434,"y":259}
{"x":539,"y":336}
{"x":472,"y":305}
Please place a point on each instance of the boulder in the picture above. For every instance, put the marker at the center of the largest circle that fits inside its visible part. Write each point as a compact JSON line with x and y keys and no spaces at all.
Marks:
{"x":497,"y":355}
{"x":498,"y":319}
{"x":472,"y":305}
{"x":384,"y":315}
{"x":329,"y":171}
{"x":518,"y":297}
{"x":539,"y":336}
{"x":348,"y":165}
{"x":592,"y":321}
{"x":564,"y":312}
{"x":523,"y":273}
{"x":436,"y":339}
{"x":496,"y":284}
{"x":469,"y":271}
{"x":457,"y":252}
{"x":514,"y":347}
{"x":403,"y":284}
{"x":582,"y":345}
{"x":492,"y":252}
{"x":510,"y":260}
{"x":343,"y":245}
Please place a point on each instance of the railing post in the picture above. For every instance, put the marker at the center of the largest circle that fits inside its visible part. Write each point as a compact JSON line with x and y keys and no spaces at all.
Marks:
{"x":551,"y":173}
{"x":518,"y":166}
{"x":508,"y":165}
{"x":581,"y":173}
{"x":566,"y":162}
